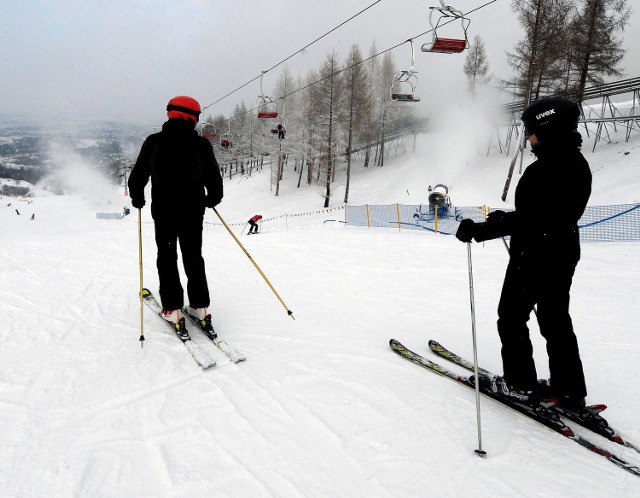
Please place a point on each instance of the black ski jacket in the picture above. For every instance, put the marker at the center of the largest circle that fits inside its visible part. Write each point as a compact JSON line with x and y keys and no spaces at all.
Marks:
{"x":550,"y":198}
{"x":185,"y":176}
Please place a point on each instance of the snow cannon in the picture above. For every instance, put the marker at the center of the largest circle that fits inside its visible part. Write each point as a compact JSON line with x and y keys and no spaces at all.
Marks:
{"x":439,"y":196}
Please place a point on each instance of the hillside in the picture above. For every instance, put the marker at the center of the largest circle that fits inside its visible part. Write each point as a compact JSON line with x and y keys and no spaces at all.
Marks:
{"x":321,"y":407}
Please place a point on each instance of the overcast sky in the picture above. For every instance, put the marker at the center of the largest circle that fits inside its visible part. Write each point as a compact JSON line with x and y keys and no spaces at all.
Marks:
{"x":123,"y":60}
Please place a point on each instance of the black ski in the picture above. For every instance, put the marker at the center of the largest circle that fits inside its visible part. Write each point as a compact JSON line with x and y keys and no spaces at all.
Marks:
{"x":201,"y":357}
{"x":593,"y":421}
{"x":540,"y":414}
{"x":206,"y":328}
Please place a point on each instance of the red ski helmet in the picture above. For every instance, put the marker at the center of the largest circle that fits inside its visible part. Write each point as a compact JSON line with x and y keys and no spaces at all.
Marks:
{"x":183,"y":107}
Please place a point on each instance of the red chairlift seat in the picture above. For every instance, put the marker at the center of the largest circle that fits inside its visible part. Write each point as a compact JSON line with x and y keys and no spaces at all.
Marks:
{"x":448,"y":46}
{"x":209,"y":135}
{"x":266,"y":114}
{"x":267,"y":108}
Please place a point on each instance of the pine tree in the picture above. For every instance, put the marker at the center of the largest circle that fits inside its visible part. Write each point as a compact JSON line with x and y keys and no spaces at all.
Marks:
{"x":329,"y":93}
{"x":476,"y":64}
{"x":538,"y":59}
{"x":596,"y":45}
{"x":358,"y":97}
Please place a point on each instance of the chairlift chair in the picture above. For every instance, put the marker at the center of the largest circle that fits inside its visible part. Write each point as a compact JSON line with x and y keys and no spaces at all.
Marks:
{"x":209,"y":130}
{"x":442,"y":45}
{"x":403,"y":87}
{"x":225,"y":141}
{"x":279,"y":130}
{"x":267,"y":108}
{"x":404,"y":83}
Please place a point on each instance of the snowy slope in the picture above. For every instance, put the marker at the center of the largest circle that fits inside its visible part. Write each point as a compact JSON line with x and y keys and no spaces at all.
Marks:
{"x":321,"y":407}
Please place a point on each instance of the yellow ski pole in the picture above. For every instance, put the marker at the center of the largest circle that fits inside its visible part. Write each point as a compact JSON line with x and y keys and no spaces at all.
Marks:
{"x":289,"y":312}
{"x":141,"y":282}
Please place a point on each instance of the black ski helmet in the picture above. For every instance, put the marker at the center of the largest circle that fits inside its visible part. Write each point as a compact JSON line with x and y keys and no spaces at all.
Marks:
{"x":551,"y":116}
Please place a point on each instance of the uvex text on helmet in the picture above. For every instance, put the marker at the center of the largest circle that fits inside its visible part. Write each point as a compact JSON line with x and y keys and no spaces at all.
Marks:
{"x":183,"y":107}
{"x":551,"y":115}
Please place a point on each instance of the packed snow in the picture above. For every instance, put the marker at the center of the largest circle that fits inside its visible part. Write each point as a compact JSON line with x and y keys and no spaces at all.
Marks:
{"x":321,"y":406}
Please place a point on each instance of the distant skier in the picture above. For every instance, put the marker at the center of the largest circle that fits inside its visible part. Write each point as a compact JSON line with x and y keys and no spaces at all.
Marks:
{"x":253,"y":222}
{"x":544,"y":252}
{"x":281,"y":131}
{"x":185,"y":179}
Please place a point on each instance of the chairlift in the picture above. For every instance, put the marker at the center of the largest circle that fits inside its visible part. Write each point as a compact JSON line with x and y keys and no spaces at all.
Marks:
{"x":209,"y":130}
{"x":279,"y":130}
{"x":449,"y":45}
{"x":267,"y":108}
{"x":225,"y":141}
{"x":404,"y":83}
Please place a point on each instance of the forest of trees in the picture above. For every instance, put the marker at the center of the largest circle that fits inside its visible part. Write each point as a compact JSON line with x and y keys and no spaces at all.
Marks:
{"x":344,"y":107}
{"x":567,"y":46}
{"x":331,"y":113}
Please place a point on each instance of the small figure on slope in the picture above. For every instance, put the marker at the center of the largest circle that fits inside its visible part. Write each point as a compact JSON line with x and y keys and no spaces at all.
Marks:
{"x":253,"y":222}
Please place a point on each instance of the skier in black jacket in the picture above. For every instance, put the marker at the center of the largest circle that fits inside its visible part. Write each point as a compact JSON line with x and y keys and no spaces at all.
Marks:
{"x":185,"y":179}
{"x":544,"y":252}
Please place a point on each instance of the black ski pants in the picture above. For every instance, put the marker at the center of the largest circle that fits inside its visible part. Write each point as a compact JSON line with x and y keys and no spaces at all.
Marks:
{"x":546,"y":285}
{"x":188,"y":232}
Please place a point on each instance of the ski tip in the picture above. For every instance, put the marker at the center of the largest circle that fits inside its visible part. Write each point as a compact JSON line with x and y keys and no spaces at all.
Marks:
{"x":597,"y":408}
{"x":396,"y":345}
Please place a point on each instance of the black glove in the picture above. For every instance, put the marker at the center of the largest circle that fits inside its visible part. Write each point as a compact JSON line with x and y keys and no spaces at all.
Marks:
{"x":138,"y":203}
{"x":466,"y":230}
{"x":212,"y":201}
{"x":495,"y":216}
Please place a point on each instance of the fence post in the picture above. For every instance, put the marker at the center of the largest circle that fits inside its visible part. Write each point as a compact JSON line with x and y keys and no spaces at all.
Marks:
{"x":436,"y":213}
{"x":368,"y":219}
{"x":398,"y":211}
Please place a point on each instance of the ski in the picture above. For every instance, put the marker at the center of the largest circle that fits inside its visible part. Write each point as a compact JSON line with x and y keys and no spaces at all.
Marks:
{"x":200,"y":356}
{"x":539,"y":414}
{"x":206,"y":328}
{"x":594,"y":421}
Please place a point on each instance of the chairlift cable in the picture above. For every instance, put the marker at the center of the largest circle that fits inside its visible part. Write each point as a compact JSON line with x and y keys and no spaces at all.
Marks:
{"x":295,"y":53}
{"x":346,"y":68}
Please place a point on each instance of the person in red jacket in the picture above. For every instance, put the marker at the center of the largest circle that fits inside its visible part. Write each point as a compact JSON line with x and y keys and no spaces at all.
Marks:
{"x":185,"y":179}
{"x":254,"y":223}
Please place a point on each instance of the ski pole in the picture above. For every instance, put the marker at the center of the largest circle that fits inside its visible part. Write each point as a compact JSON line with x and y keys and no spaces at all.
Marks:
{"x":141,"y":282}
{"x":479,"y":451}
{"x":245,"y":226}
{"x":289,"y":312}
{"x":506,"y":246}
